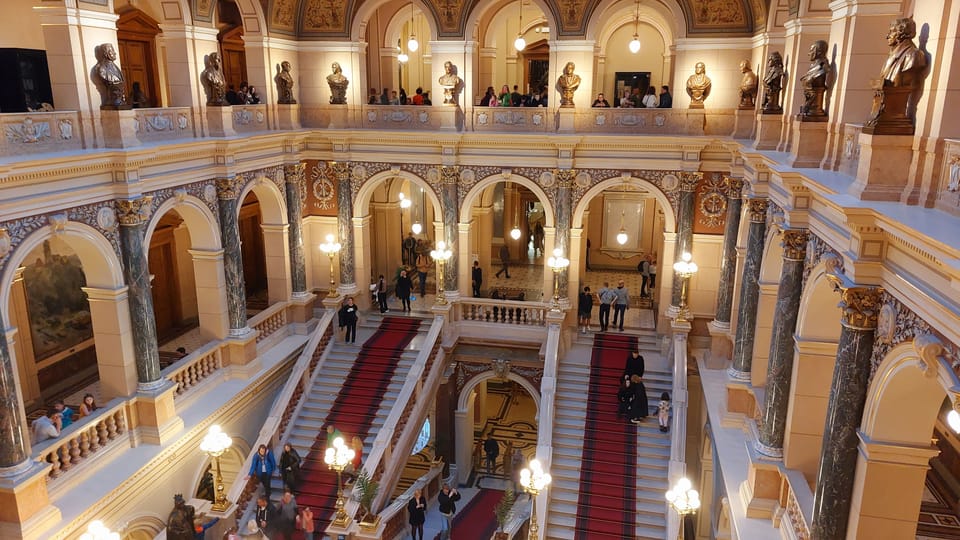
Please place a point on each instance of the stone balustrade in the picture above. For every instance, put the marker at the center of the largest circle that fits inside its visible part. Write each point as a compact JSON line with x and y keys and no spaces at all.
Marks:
{"x":249,"y":118}
{"x":513,"y":312}
{"x":164,"y":124}
{"x":40,"y":132}
{"x":416,"y":117}
{"x":393,"y":518}
{"x":796,"y":521}
{"x":193,"y":369}
{"x":269,"y":320}
{"x":79,"y":442}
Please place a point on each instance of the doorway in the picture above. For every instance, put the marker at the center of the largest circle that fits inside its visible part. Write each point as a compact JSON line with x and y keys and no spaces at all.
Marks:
{"x":136,"y":39}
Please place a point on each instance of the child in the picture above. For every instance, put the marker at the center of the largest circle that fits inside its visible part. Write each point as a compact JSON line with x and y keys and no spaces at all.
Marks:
{"x":624,"y":397}
{"x":663,"y":412}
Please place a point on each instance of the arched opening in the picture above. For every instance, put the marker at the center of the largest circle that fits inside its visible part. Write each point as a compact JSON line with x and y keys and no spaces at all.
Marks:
{"x":404,"y":69}
{"x":229,"y":24}
{"x":262,"y":219}
{"x":501,"y":64}
{"x":137,"y":38}
{"x":639,"y":214}
{"x":511,"y":227}
{"x":402,"y":222}
{"x":250,"y":222}
{"x":231,"y":463}
{"x":144,"y":527}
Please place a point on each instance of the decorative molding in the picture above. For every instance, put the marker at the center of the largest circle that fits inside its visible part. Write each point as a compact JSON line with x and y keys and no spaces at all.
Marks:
{"x":733,"y":187}
{"x":859,"y":305}
{"x":907,"y":326}
{"x":229,"y":188}
{"x":817,"y":251}
{"x":757,"y":210}
{"x":133,"y":212}
{"x":794,"y":244}
{"x":712,"y":202}
{"x":465,"y":371}
{"x":205,"y":190}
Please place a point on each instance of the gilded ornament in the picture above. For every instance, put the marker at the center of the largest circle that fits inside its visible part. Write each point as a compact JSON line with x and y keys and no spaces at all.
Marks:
{"x":323,"y":189}
{"x":689,"y":181}
{"x":734,"y":186}
{"x":500,"y":367}
{"x":757,"y":209}
{"x":567,"y":84}
{"x":564,"y":177}
{"x":698,"y":86}
{"x":293,"y":173}
{"x":859,"y":305}
{"x":449,"y":175}
{"x":794,"y":244}
{"x":229,"y":188}
{"x":131,"y":212}
{"x":712,"y":207}
{"x":341,"y":170}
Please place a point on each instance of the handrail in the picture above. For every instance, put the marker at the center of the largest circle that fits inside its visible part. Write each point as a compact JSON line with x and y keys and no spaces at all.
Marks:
{"x":678,"y":429}
{"x":548,"y":390}
{"x":197,"y":366}
{"x":519,"y":516}
{"x":424,"y":374}
{"x":287,"y":400}
{"x":393,"y":517}
{"x":96,"y":432}
{"x":515,"y":312}
{"x":269,"y":320}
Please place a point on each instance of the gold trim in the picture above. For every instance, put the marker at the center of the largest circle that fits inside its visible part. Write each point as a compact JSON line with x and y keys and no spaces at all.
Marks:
{"x":795,"y":244}
{"x":757,"y":209}
{"x":132,"y":212}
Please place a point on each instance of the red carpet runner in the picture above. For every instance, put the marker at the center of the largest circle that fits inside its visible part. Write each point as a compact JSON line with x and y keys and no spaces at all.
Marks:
{"x":353,"y":411}
{"x":475,"y":520}
{"x":607,"y":504}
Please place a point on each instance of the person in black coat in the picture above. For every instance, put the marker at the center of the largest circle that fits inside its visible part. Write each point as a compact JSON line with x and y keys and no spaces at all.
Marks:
{"x":289,"y":466}
{"x":639,"y":408}
{"x":382,"y":294}
{"x":634,"y":365}
{"x":417,"y":510}
{"x":446,"y":502}
{"x":625,"y":397}
{"x":477,"y":277}
{"x":404,"y":286}
{"x":348,"y":320}
{"x":492,"y":449}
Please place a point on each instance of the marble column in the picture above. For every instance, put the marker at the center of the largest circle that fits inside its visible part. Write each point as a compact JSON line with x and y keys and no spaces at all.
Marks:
{"x":688,"y":188}
{"x":133,"y":215}
{"x":15,"y":449}
{"x":562,"y":230}
{"x":859,"y":307}
{"x":780,"y":367}
{"x":450,"y":204}
{"x":749,"y":291}
{"x":294,"y":176}
{"x":342,"y":173}
{"x":228,"y":193}
{"x":728,"y":264}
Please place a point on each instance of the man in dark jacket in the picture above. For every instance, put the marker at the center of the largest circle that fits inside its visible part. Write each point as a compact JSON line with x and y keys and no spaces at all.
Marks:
{"x":446,"y":502}
{"x":492,"y":450}
{"x":348,"y":319}
{"x":477,"y":277}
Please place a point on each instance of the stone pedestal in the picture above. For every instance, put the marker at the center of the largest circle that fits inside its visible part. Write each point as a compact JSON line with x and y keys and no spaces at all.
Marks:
{"x":157,"y":417}
{"x":339,"y":116}
{"x":809,"y":143}
{"x":741,"y":400}
{"x":767,"y":134}
{"x":761,"y":490}
{"x":448,"y":115}
{"x":119,"y":128}
{"x":288,"y":116}
{"x":566,"y":120}
{"x":743,"y":123}
{"x":241,"y":350}
{"x":220,"y":122}
{"x":25,"y":509}
{"x":883,"y":168}
{"x":721,"y":346}
{"x":301,"y":307}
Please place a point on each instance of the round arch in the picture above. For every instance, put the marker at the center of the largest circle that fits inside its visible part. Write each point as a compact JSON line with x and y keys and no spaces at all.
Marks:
{"x":648,"y":16}
{"x":608,"y":11}
{"x":771,"y":264}
{"x":818,"y":298}
{"x":487,"y":375}
{"x":479,"y":187}
{"x":101,"y":267}
{"x":273,"y":205}
{"x":183,"y":14}
{"x":368,"y":9}
{"x":231,"y":460}
{"x":485,"y":12}
{"x":200,"y":221}
{"x":144,"y":526}
{"x":669,"y":218}
{"x":361,"y":203}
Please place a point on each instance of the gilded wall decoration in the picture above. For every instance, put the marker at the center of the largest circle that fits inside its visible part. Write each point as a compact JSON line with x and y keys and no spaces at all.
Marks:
{"x":573,"y":15}
{"x":450,"y":14}
{"x":199,"y":190}
{"x":817,"y":249}
{"x":324,"y":17}
{"x":203,"y":10}
{"x":273,"y":174}
{"x":907,"y":326}
{"x":711,"y":205}
{"x":465,"y":371}
{"x":719,"y":13}
{"x":282,"y":14}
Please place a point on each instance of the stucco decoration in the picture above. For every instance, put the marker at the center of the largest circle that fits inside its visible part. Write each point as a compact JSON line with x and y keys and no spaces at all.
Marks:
{"x":203,"y":190}
{"x":715,"y":16}
{"x":203,"y":10}
{"x":325,"y":17}
{"x":907,"y":326}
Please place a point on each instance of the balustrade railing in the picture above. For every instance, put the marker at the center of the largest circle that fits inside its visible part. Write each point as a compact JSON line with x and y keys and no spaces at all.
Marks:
{"x":249,"y":118}
{"x":86,"y":437}
{"x":791,"y":483}
{"x":195,"y":368}
{"x":269,"y":320}
{"x":163,"y":123}
{"x":678,"y":424}
{"x":40,"y":132}
{"x":394,"y":517}
{"x":516,"y":312}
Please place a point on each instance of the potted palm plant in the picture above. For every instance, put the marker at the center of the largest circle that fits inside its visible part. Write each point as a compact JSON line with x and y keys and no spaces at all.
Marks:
{"x":367,"y":489}
{"x":502,"y":511}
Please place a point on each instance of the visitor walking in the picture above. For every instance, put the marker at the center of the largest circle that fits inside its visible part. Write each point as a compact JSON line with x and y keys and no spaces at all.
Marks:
{"x":644,"y":269}
{"x":663,"y":412}
{"x":607,"y":298}
{"x":492,"y":450}
{"x":504,"y":261}
{"x":624,"y":397}
{"x":262,"y":467}
{"x":447,"y":503}
{"x":620,"y":305}
{"x":348,"y":320}
{"x":289,"y":466}
{"x":476,"y":278}
{"x":423,"y":266}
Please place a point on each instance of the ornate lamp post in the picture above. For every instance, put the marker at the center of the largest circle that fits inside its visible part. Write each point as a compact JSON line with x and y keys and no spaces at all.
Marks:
{"x":441,"y":255}
{"x":331,"y":248}
{"x":96,"y":530}
{"x":558,"y":263}
{"x":685,"y":268}
{"x":684,"y":500}
{"x":337,"y":457}
{"x":215,"y":444}
{"x":534,"y":480}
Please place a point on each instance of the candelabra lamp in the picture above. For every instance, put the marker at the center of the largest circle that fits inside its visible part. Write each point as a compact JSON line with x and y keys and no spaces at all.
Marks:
{"x":337,"y":457}
{"x":214,"y":444}
{"x":534,"y":480}
{"x":558,"y":263}
{"x":441,"y":255}
{"x":685,"y":268}
{"x":331,"y":248}
{"x":684,"y":500}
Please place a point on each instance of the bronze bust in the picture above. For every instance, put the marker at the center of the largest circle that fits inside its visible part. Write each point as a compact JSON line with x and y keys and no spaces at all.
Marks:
{"x":748,"y":87}
{"x":107,"y":73}
{"x":897,"y":91}
{"x":285,"y":85}
{"x":338,"y":85}
{"x":214,"y":82}
{"x":814,"y":83}
{"x":773,"y":85}
{"x":451,"y":84}
{"x":567,"y":84}
{"x":698,"y":86}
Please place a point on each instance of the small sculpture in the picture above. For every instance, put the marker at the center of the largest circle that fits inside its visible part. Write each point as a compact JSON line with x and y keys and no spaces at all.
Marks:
{"x":180,"y":521}
{"x":285,"y":85}
{"x":773,"y":84}
{"x":108,"y":74}
{"x":214,"y":82}
{"x":814,"y":83}
{"x":567,"y":84}
{"x":748,"y":87}
{"x":698,"y":86}
{"x":338,"y":85}
{"x":897,"y":91}
{"x":451,"y":84}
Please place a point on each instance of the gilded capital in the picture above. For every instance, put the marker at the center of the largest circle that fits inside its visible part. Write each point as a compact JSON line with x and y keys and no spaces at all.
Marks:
{"x":565,"y":177}
{"x":292,"y":174}
{"x":131,"y":212}
{"x":229,"y":188}
{"x":449,"y":175}
{"x":860,"y":306}
{"x":341,"y":169}
{"x":734,"y":186}
{"x":757,"y":208}
{"x":689,"y":181}
{"x":795,"y":244}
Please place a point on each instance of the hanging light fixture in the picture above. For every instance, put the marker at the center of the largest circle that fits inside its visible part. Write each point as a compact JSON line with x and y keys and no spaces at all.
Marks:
{"x":635,"y":42}
{"x":401,"y":56}
{"x":417,"y":228}
{"x":622,"y":235}
{"x":515,"y":232}
{"x":953,"y":420}
{"x":412,"y":43}
{"x":520,"y":44}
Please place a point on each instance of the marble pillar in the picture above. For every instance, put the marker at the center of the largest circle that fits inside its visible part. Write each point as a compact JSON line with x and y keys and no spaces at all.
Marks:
{"x":561,"y":240}
{"x":859,"y":307}
{"x":15,"y":449}
{"x":728,"y":264}
{"x":228,"y":193}
{"x":294,"y":176}
{"x":342,"y":172}
{"x":749,"y":291}
{"x":450,"y":203}
{"x":780,"y":368}
{"x":133,"y":214}
{"x":688,"y":188}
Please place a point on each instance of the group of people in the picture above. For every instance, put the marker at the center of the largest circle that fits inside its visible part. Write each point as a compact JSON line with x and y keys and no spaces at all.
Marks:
{"x":247,"y":95}
{"x":58,"y":417}
{"x":277,"y":520}
{"x":506,"y":98}
{"x":632,"y":400}
{"x":392,"y":97}
{"x":615,"y":298}
{"x":632,"y":99}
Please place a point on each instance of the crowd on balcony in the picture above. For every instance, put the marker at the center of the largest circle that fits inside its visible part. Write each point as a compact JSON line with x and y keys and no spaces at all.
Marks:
{"x":506,"y":98}
{"x":392,"y":97}
{"x":632,"y":99}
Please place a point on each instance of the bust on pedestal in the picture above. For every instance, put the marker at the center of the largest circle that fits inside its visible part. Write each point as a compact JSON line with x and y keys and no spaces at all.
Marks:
{"x":814,"y":83}
{"x":219,"y":111}
{"x":698,"y":86}
{"x":901,"y":81}
{"x":567,"y":84}
{"x":117,"y":119}
{"x":288,"y":112}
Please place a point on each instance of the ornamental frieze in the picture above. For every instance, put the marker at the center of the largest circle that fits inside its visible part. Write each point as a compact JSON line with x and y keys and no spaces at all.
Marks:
{"x":898,"y":324}
{"x":816,"y":251}
{"x":776,"y":217}
{"x":273,"y":174}
{"x":463,"y":372}
{"x":205,"y":190}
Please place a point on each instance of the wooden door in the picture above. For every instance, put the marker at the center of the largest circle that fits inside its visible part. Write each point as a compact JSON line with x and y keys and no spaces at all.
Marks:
{"x":252,"y":251}
{"x":165,"y":286}
{"x":136,"y":34}
{"x":535,"y":63}
{"x":234,"y":57}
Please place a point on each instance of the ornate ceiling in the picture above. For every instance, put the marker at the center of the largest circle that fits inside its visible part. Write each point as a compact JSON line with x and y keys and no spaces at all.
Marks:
{"x":332,"y":18}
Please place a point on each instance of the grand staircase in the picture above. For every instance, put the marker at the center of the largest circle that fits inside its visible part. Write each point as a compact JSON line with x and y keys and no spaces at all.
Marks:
{"x":609,"y":476}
